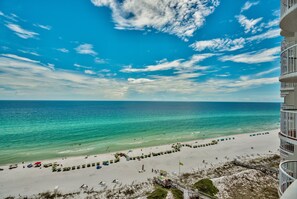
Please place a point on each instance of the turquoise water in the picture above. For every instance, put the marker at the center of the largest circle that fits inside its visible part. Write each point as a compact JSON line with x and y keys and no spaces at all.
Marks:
{"x":35,"y":130}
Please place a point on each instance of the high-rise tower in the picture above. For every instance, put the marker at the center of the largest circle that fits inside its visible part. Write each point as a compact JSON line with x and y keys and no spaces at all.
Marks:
{"x":288,"y":79}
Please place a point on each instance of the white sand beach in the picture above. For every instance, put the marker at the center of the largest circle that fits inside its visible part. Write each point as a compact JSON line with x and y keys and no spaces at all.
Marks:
{"x":28,"y":181}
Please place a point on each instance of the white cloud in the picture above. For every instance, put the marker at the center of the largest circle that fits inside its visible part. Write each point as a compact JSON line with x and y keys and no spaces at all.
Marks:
{"x":89,"y":72}
{"x":19,"y":31}
{"x":11,"y":17}
{"x":246,"y":83}
{"x":16,"y":57}
{"x":267,"y":72}
{"x":29,"y":52}
{"x":223,"y":75}
{"x":37,"y":81}
{"x":227,"y":44}
{"x":139,"y":80}
{"x":272,"y":33}
{"x":249,"y":25}
{"x":276,"y":13}
{"x":176,"y":17}
{"x":99,"y":61}
{"x":51,"y":66}
{"x":219,"y":44}
{"x":45,"y":27}
{"x":272,"y":23}
{"x":265,"y":55}
{"x":248,"y":5}
{"x":63,"y":50}
{"x":179,"y":64}
{"x":81,"y":66}
{"x":185,"y":85}
{"x":85,"y":49}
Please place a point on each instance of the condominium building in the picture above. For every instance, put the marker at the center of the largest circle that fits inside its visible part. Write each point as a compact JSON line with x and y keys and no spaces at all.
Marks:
{"x":288,"y":79}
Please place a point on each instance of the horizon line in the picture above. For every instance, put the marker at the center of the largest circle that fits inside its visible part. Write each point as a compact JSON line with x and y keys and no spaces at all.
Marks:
{"x":86,"y":100}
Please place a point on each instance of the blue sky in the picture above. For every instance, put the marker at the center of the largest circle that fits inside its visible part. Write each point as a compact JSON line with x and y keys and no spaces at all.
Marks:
{"x":198,"y":50}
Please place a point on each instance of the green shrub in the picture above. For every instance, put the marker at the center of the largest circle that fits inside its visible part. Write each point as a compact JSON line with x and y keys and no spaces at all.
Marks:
{"x":177,"y":194}
{"x":158,"y":194}
{"x":206,"y":186}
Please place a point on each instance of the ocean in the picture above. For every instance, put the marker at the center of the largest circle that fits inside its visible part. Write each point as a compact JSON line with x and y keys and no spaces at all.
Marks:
{"x":37,"y":130}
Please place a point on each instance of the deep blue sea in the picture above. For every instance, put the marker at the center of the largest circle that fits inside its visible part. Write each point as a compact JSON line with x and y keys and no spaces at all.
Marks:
{"x":36,"y":130}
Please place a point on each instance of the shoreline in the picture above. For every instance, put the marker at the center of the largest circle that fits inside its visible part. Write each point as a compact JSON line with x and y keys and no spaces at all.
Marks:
{"x":131,"y":148}
{"x":20,"y":180}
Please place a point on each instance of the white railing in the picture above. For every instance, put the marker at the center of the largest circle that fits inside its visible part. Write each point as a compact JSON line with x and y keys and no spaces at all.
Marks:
{"x":287,"y":175}
{"x":289,"y":59}
{"x":286,"y":5}
{"x":288,"y":124}
{"x":286,"y":44}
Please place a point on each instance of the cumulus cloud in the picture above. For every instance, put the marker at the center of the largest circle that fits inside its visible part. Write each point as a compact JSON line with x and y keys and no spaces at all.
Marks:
{"x":265,"y":55}
{"x":175,"y":17}
{"x":21,"y":32}
{"x":86,"y":49}
{"x":179,"y":65}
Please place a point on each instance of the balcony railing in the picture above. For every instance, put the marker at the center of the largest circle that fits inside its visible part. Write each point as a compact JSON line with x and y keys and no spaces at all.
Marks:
{"x":288,"y":124}
{"x":286,"y":5}
{"x":287,"y":175}
{"x":289,"y":59}
{"x":285,"y":106}
{"x":287,"y":44}
{"x":288,"y":86}
{"x":286,"y":146}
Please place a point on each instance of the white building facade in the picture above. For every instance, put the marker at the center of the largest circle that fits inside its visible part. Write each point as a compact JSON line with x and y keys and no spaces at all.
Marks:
{"x":288,"y":79}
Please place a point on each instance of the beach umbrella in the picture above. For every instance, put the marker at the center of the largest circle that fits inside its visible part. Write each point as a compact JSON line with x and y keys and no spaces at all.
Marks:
{"x":36,"y":163}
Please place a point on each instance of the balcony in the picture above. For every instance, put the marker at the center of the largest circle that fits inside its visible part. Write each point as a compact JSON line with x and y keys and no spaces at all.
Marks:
{"x":288,"y":86}
{"x":287,"y":175}
{"x":288,"y":16}
{"x":288,"y":126}
{"x":287,"y":44}
{"x":289,"y":62}
{"x":288,"y":107}
{"x":287,"y":147}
